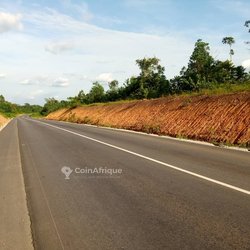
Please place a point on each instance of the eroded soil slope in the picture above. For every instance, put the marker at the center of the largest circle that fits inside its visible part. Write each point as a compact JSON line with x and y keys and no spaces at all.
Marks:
{"x":221,"y":118}
{"x":3,"y":120}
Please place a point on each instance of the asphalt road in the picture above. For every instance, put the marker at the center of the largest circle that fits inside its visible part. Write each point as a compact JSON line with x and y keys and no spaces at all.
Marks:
{"x":170,"y":194}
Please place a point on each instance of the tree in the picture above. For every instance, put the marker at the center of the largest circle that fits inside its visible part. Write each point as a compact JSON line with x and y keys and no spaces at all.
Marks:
{"x":113,"y":93}
{"x":96,"y":93}
{"x":51,"y":104}
{"x":230,"y":41}
{"x":151,"y":82}
{"x":199,"y":68}
{"x":247,"y":24}
{"x":81,"y":97}
{"x":2,"y":99}
{"x":113,"y":85}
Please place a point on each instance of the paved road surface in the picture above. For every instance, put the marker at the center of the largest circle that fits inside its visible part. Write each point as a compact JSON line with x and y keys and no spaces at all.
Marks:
{"x":170,"y":194}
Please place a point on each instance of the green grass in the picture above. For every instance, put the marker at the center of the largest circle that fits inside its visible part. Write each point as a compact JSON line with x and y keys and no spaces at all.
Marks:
{"x":215,"y":89}
{"x":220,"y":89}
{"x":108,"y":103}
{"x":36,"y":115}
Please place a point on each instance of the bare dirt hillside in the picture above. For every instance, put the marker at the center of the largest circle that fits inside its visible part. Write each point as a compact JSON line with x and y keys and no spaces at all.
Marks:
{"x":219,"y":118}
{"x":3,"y":120}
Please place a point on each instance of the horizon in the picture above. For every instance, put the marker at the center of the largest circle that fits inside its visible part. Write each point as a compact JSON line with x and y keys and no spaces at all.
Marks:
{"x":57,"y":49}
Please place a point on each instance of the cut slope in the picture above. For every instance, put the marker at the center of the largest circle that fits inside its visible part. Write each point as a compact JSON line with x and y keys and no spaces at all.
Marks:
{"x":220,"y":118}
{"x":3,"y":120}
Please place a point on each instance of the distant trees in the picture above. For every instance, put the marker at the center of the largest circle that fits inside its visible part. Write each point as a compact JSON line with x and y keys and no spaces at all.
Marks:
{"x":230,"y":41}
{"x":51,"y":104}
{"x":202,"y":71}
{"x":11,"y":109}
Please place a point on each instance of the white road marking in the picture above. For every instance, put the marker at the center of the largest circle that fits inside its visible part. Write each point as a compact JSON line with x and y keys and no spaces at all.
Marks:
{"x":5,"y":125}
{"x":151,"y":159}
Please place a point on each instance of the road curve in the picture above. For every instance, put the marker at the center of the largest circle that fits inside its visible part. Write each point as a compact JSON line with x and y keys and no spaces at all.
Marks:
{"x":148,"y":206}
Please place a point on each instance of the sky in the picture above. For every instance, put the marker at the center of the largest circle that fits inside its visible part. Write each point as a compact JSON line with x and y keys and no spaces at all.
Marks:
{"x":57,"y":48}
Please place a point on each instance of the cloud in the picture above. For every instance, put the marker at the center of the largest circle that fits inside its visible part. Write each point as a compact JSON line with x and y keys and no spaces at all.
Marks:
{"x":246,"y":64}
{"x":59,"y":47}
{"x":61,"y":82}
{"x":105,"y":77}
{"x":27,"y":82}
{"x":10,"y":22}
{"x":37,"y":80}
{"x":33,"y":94}
{"x":2,"y":76}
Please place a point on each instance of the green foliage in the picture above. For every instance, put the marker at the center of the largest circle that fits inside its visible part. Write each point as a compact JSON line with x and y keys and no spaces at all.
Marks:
{"x":202,"y":74}
{"x":113,"y":93}
{"x":230,"y":41}
{"x":51,"y":104}
{"x":96,"y":94}
{"x":247,"y":24}
{"x":11,"y":110}
{"x":151,"y":82}
{"x":199,"y":64}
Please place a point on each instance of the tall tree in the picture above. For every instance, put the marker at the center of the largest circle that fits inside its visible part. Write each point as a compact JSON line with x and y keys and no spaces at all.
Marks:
{"x":200,"y":63}
{"x":113,"y":85}
{"x":152,"y":81}
{"x":96,"y":93}
{"x":2,"y":99}
{"x":230,"y":41}
{"x":247,"y":24}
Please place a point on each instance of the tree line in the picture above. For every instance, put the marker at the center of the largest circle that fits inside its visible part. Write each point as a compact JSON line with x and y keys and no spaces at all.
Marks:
{"x":11,"y":109}
{"x":202,"y":72}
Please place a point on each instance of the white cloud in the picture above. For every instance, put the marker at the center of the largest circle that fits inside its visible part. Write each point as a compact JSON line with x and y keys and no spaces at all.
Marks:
{"x":105,"y":77}
{"x":9,"y":22}
{"x":33,"y":94}
{"x":37,"y":80}
{"x":27,"y":82}
{"x":61,"y":82}
{"x":59,"y":47}
{"x":246,"y":64}
{"x":2,"y":76}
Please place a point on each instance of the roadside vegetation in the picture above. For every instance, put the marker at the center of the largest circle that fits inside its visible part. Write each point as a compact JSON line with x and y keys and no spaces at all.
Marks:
{"x":10,"y":110}
{"x":203,"y":75}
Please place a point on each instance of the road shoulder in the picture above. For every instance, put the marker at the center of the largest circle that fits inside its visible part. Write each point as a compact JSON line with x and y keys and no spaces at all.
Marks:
{"x":15,"y":230}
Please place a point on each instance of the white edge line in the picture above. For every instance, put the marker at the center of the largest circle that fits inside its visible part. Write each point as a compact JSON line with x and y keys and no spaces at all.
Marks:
{"x":2,"y":127}
{"x":152,"y":160}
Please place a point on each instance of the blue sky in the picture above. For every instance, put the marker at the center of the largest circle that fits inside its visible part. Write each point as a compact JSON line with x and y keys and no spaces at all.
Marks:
{"x":56,"y":48}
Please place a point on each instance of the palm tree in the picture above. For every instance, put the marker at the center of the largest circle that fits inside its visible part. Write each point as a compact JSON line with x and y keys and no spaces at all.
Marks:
{"x":229,"y":40}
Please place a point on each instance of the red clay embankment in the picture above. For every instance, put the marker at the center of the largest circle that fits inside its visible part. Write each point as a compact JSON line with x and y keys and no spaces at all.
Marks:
{"x":3,"y":121}
{"x":218,"y":118}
